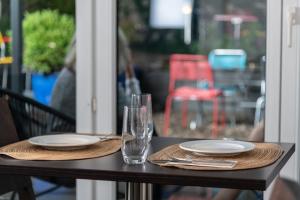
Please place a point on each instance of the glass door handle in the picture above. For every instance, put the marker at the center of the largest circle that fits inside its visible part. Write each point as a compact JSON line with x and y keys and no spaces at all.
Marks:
{"x":293,"y":18}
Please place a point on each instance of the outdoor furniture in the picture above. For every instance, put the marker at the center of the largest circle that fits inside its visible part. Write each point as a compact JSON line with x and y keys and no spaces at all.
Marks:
{"x":260,"y":102}
{"x":228,"y":61}
{"x":113,"y":168}
{"x":8,"y":183}
{"x":197,"y":84}
{"x":228,"y":66}
{"x":260,"y":105}
{"x":32,"y":118}
{"x":236,"y":21}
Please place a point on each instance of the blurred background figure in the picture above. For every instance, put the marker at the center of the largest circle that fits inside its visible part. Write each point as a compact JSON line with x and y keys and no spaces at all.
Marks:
{"x":64,"y":92}
{"x":128,"y":84}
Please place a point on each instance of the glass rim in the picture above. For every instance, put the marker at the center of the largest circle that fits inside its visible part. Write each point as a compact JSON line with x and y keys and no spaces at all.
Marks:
{"x":133,"y":107}
{"x":142,"y":94}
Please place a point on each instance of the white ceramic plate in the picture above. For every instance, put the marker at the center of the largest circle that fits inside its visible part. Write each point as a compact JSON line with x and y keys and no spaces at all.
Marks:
{"x":64,"y":141}
{"x":217,"y":147}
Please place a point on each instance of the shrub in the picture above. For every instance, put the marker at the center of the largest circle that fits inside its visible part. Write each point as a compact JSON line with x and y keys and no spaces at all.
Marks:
{"x":46,"y":37}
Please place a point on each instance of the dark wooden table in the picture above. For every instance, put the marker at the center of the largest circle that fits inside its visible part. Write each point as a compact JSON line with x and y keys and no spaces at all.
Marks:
{"x":113,"y":168}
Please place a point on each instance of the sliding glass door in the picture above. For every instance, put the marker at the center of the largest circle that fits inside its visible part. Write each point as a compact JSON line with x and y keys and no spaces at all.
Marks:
{"x":160,"y":42}
{"x":148,"y":35}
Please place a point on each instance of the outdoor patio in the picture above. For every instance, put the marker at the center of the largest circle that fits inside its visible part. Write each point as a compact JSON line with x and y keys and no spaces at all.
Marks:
{"x":239,"y":132}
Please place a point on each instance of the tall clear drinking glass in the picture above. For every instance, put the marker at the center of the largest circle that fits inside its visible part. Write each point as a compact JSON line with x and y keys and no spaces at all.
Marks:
{"x":134,"y":135}
{"x":144,"y":100}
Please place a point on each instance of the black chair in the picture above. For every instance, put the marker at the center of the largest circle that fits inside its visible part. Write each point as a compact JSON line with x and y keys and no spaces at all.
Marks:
{"x":8,"y":183}
{"x":32,"y":118}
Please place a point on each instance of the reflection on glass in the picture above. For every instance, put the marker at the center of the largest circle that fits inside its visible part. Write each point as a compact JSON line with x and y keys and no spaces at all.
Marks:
{"x":228,"y":35}
{"x":144,"y":100}
{"x":225,"y":101}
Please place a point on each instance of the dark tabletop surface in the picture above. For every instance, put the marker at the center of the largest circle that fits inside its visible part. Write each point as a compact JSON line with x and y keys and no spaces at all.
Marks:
{"x":113,"y":168}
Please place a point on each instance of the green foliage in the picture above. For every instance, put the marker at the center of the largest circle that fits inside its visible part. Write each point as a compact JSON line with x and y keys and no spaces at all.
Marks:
{"x":253,"y":40}
{"x":46,"y":37}
{"x":5,"y":16}
{"x":9,"y":45}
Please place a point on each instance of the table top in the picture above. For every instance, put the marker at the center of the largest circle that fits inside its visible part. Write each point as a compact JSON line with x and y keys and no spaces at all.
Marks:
{"x":113,"y":168}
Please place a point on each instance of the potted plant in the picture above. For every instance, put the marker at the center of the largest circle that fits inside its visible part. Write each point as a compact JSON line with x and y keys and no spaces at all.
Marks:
{"x":47,"y":34}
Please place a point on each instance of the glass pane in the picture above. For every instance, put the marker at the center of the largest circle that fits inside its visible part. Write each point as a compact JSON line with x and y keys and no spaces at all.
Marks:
{"x":41,"y":83}
{"x":202,"y":61}
{"x":161,"y":42}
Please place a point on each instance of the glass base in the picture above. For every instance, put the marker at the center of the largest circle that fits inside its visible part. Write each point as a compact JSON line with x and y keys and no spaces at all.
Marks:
{"x":134,"y":160}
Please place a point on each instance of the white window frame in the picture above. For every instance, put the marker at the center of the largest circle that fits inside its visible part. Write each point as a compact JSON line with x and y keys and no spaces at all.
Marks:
{"x":290,"y":92}
{"x":282,"y":75}
{"x":96,"y":81}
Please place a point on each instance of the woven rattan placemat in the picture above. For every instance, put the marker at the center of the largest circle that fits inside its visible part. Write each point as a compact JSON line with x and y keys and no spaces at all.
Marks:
{"x":25,"y":151}
{"x":264,"y":154}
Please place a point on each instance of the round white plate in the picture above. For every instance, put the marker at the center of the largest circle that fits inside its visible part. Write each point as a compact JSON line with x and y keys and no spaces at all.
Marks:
{"x":217,"y":147}
{"x":64,"y":141}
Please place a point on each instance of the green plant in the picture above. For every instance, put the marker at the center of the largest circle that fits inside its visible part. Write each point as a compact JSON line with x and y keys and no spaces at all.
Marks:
{"x":46,"y":37}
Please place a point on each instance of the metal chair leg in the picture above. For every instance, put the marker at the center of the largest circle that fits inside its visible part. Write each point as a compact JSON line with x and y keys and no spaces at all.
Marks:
{"x":215,"y":118}
{"x":258,"y":110}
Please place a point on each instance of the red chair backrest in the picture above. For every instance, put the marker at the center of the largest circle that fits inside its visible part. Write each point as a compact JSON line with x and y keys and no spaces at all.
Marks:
{"x":188,"y":57}
{"x":189,"y":68}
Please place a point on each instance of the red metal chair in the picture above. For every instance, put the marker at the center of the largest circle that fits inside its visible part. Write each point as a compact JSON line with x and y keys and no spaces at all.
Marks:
{"x":194,"y":68}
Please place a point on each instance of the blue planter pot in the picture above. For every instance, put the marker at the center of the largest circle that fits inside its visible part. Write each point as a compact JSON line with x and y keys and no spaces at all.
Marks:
{"x":42,"y":86}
